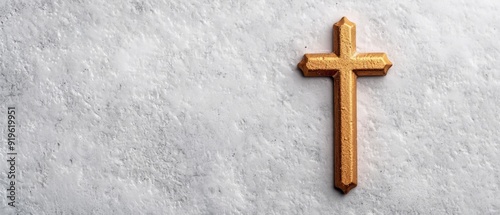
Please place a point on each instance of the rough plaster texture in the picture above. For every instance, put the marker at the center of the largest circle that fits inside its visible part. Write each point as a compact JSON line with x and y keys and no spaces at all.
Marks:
{"x":197,"y":107}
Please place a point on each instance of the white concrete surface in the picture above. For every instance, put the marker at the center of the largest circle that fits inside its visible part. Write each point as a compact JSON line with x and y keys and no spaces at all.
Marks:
{"x":197,"y":107}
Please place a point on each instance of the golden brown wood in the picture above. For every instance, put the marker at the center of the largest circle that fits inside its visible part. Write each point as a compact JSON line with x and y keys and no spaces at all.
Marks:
{"x":345,"y":65}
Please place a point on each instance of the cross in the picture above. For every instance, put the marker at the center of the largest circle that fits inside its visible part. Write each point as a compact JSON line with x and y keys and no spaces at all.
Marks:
{"x":345,"y":65}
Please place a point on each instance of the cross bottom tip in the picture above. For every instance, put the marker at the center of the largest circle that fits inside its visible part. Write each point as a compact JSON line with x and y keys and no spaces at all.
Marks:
{"x":345,"y":188}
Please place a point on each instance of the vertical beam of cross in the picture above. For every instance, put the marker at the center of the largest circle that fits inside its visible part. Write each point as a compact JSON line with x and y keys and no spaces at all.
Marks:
{"x":345,"y":65}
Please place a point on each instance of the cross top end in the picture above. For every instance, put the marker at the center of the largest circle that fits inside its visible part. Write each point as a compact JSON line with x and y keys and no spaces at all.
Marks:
{"x":344,"y":56}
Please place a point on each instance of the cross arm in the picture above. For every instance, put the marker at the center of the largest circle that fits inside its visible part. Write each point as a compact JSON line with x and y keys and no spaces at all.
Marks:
{"x":371,"y":64}
{"x":319,"y":65}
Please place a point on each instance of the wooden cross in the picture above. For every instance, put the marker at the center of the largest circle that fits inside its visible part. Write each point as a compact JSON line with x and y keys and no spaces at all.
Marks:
{"x":345,"y":65}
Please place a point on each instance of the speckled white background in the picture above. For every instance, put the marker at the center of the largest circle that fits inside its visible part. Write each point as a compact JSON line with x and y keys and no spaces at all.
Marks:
{"x":197,"y":107}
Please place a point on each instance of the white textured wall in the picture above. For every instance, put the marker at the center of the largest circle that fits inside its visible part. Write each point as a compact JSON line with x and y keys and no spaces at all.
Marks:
{"x":192,"y":107}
